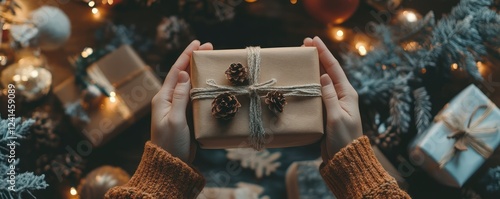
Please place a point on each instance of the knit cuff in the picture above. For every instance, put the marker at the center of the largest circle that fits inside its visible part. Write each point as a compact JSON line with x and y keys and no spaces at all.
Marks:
{"x":354,"y":171}
{"x":165,"y":176}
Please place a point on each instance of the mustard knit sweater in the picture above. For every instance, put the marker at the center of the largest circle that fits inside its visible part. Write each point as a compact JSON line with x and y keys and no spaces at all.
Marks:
{"x":354,"y":172}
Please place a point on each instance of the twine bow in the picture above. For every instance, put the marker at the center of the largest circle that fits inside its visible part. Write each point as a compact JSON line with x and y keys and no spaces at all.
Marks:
{"x":465,"y":132}
{"x":254,"y":90}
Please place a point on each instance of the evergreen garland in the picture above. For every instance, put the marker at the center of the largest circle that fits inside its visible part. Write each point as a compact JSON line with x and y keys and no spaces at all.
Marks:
{"x":393,"y":77}
{"x":25,"y":182}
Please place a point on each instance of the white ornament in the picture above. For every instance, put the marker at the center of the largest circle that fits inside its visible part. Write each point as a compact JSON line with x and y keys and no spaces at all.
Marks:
{"x":53,"y":27}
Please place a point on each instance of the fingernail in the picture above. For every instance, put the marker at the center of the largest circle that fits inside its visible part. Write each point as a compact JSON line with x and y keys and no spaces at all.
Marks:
{"x":183,"y":77}
{"x":325,"y":80}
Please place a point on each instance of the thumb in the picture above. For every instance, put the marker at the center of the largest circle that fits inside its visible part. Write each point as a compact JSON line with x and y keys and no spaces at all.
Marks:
{"x":180,"y":96}
{"x":330,"y":97}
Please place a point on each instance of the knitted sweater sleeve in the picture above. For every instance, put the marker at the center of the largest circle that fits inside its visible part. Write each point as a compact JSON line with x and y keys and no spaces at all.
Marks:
{"x":354,"y":172}
{"x":160,"y":175}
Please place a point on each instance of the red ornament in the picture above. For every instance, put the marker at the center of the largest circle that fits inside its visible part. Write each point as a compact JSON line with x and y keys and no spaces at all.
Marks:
{"x":331,"y":11}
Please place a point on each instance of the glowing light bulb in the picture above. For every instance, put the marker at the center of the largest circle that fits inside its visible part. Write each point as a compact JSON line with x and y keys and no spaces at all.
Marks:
{"x":73,"y":191}
{"x":87,"y":52}
{"x":91,"y":3}
{"x":34,"y":73}
{"x":410,"y":16}
{"x":293,"y":1}
{"x":454,"y":66}
{"x":361,"y":47}
{"x":112,"y":97}
{"x":16,"y":78}
{"x":95,"y":11}
{"x":482,"y":68}
{"x":250,"y":1}
{"x":337,"y":33}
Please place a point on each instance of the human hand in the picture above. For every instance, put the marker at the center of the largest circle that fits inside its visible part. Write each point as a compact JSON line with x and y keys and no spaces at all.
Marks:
{"x":343,"y":121}
{"x":169,"y":128}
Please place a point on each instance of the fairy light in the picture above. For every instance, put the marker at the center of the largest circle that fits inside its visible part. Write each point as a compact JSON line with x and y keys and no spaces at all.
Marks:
{"x":91,"y":4}
{"x":110,"y":2}
{"x":250,"y":1}
{"x":410,"y":16}
{"x":454,"y":66}
{"x":293,"y":1}
{"x":112,"y":96}
{"x":95,"y":11}
{"x":73,"y":191}
{"x":361,"y":47}
{"x":87,"y":52}
{"x":423,"y":70}
{"x":481,"y":67}
{"x":34,"y":73}
{"x":16,"y":78}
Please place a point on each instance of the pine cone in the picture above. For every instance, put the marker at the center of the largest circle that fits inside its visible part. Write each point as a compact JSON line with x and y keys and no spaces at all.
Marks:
{"x":237,"y":73}
{"x":225,"y":106}
{"x":43,"y":130}
{"x":387,"y":140}
{"x":276,"y":101}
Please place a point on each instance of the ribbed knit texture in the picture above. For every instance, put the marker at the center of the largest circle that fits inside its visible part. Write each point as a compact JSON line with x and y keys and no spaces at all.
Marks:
{"x":354,"y":172}
{"x":160,"y":175}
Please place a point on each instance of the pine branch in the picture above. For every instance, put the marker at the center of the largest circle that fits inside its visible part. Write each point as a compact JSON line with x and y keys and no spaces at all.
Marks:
{"x":423,"y":108}
{"x":25,"y":182}
{"x":21,"y":130}
{"x":400,"y":108}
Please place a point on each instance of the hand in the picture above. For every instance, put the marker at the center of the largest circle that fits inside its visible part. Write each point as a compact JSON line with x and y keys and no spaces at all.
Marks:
{"x":169,"y":128}
{"x":343,"y":122}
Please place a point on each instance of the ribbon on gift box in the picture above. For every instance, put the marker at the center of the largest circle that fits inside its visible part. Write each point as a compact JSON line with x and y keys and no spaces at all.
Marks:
{"x":95,"y":74}
{"x":465,"y":132}
{"x":254,"y":90}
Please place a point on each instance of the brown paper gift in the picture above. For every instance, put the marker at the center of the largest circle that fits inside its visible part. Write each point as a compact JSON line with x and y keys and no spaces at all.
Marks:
{"x":300,"y":123}
{"x":124,"y":73}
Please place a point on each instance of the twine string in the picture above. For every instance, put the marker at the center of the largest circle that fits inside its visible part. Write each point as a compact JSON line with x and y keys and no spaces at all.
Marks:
{"x":254,"y":90}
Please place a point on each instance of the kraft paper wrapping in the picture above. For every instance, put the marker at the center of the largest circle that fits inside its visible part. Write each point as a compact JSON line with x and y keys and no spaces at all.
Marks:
{"x":123,"y":72}
{"x":301,"y":122}
{"x":430,"y":147}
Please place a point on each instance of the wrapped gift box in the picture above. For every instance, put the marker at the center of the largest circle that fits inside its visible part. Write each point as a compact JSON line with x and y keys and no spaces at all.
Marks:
{"x":437,"y":153}
{"x":300,"y":123}
{"x":134,"y":84}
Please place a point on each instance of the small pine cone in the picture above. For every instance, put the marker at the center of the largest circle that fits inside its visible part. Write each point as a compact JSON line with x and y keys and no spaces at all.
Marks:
{"x":276,"y":101}
{"x":43,"y":130}
{"x":237,"y":73}
{"x":387,"y":140}
{"x":225,"y":106}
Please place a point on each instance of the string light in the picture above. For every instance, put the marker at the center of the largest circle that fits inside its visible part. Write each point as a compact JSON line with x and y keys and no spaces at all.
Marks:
{"x":337,"y":34}
{"x":91,"y":3}
{"x":73,"y":191}
{"x":481,"y":67}
{"x":423,"y":71}
{"x":454,"y":66}
{"x":250,"y":1}
{"x":112,"y":97}
{"x":110,"y":2}
{"x":87,"y":52}
{"x":293,"y":1}
{"x":16,"y":78}
{"x":411,"y":46}
{"x":410,"y":16}
{"x":361,"y":47}
{"x":34,"y":73}
{"x":95,"y":11}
